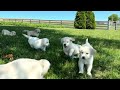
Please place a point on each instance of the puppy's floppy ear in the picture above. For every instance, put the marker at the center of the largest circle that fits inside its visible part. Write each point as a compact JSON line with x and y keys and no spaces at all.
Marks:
{"x":72,"y":39}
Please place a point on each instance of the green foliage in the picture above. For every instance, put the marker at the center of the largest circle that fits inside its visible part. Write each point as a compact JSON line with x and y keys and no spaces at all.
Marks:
{"x":85,"y":20}
{"x":113,"y":17}
{"x":90,"y":20}
{"x":80,"y":20}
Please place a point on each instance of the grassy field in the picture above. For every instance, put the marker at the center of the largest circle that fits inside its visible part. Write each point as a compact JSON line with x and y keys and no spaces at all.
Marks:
{"x":106,"y":62}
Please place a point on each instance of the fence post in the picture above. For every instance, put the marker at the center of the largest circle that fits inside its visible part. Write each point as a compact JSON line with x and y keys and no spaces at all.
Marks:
{"x":61,"y":22}
{"x":108,"y":26}
{"x":39,"y":21}
{"x":49,"y":21}
{"x":30,"y":20}
{"x":115,"y":25}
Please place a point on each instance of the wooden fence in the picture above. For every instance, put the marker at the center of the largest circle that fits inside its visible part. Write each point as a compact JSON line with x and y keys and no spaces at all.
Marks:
{"x":65,"y":23}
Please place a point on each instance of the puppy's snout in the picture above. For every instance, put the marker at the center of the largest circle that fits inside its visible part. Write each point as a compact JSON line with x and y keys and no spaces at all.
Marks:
{"x":64,"y":45}
{"x":83,"y":57}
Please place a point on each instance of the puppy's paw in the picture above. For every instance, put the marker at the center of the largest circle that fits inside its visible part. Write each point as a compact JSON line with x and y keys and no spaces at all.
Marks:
{"x":89,"y":74}
{"x":44,"y":50}
{"x":81,"y":72}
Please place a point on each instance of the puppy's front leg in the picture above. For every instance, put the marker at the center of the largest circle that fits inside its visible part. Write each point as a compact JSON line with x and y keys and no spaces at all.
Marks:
{"x":89,"y":68}
{"x":71,"y":53}
{"x":81,"y":66}
{"x":44,"y":49}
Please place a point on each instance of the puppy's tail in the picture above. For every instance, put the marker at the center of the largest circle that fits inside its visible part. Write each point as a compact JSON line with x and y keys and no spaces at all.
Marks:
{"x":87,"y":41}
{"x":26,"y":36}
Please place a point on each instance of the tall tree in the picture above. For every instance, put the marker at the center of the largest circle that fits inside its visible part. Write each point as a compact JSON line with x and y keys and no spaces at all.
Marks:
{"x":90,"y":20}
{"x":80,"y":20}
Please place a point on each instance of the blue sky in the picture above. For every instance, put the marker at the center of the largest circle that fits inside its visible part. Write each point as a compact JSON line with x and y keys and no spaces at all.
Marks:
{"x":54,"y":15}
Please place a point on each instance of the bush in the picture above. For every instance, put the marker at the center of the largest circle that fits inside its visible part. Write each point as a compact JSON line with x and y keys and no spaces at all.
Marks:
{"x":90,"y":20}
{"x":80,"y":20}
{"x":85,"y":20}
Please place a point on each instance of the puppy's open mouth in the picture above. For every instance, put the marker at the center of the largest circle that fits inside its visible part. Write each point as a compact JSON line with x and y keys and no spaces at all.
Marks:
{"x":65,"y":45}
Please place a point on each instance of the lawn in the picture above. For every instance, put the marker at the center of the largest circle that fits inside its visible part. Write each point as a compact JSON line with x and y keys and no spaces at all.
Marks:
{"x":106,"y":62}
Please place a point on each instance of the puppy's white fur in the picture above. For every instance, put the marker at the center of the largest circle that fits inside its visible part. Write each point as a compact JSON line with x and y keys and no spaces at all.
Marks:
{"x":7,"y":32}
{"x":86,"y":57}
{"x":37,"y":43}
{"x":33,"y":32}
{"x":13,"y":33}
{"x":24,"y":68}
{"x":69,"y":48}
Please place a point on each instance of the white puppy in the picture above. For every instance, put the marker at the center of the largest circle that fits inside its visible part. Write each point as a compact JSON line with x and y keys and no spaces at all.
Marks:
{"x":13,"y":33}
{"x":7,"y":32}
{"x":37,"y":43}
{"x":69,"y":48}
{"x":86,"y":57}
{"x":24,"y":68}
{"x":33,"y":32}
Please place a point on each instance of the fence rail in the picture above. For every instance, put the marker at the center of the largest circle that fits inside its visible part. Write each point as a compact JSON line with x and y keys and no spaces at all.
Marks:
{"x":64,"y":23}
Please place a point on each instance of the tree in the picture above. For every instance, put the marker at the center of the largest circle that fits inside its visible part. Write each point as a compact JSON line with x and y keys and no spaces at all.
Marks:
{"x":113,"y":17}
{"x":119,"y":18}
{"x":90,"y":20}
{"x":85,"y":20}
{"x":80,"y":20}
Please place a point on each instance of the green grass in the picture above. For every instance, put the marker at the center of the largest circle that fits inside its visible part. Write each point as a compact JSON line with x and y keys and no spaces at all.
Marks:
{"x":106,"y":42}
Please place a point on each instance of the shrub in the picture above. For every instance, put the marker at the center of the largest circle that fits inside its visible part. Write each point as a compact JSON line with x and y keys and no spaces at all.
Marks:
{"x":80,"y":20}
{"x":90,"y":20}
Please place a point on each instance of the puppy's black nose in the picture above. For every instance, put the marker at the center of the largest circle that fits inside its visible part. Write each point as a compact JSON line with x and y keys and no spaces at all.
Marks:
{"x":64,"y":45}
{"x":83,"y":57}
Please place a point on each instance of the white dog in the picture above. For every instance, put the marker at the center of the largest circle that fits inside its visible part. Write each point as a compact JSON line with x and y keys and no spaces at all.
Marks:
{"x":13,"y":33}
{"x":86,"y":57}
{"x":24,"y":68}
{"x":7,"y":32}
{"x":37,"y":43}
{"x":69,"y":48}
{"x":33,"y":32}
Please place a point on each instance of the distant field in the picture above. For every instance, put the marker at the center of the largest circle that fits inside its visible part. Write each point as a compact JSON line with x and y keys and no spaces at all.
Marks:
{"x":106,"y":42}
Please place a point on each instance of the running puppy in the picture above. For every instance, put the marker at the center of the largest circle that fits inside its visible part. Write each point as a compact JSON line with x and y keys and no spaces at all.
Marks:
{"x":37,"y":43}
{"x":33,"y":32}
{"x":69,"y":48}
{"x":86,"y":57}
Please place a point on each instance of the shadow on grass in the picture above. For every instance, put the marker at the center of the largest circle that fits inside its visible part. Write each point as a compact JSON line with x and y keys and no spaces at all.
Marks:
{"x":102,"y":63}
{"x":62,"y":66}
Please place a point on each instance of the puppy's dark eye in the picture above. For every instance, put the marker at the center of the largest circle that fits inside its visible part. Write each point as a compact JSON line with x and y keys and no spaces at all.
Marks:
{"x":81,"y":52}
{"x":86,"y":53}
